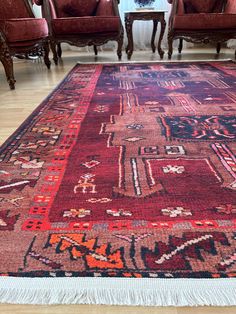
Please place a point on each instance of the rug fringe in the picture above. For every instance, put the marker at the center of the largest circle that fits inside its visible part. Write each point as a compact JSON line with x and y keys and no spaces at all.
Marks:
{"x":119,"y":291}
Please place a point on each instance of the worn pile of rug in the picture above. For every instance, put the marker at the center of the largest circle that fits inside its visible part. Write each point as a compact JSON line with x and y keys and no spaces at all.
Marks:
{"x":120,"y":188}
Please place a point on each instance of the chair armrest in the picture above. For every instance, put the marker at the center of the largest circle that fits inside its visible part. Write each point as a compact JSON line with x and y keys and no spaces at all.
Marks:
{"x":48,"y":9}
{"x":29,"y":7}
{"x":48,"y":12}
{"x":230,"y":7}
{"x":177,"y":8}
{"x":108,"y":8}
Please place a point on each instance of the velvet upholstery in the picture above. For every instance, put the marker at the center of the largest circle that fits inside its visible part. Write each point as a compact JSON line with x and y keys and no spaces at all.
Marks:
{"x":75,"y":8}
{"x":86,"y":25}
{"x":24,"y":29}
{"x":199,"y":6}
{"x":81,"y":23}
{"x":105,"y":8}
{"x":20,"y":33}
{"x":13,"y":9}
{"x":230,"y":7}
{"x":220,"y":6}
{"x":206,"y":21}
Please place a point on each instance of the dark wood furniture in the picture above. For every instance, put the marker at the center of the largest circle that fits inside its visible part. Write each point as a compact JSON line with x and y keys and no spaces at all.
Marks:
{"x":83,"y":30}
{"x":20,"y":33}
{"x":142,"y":15}
{"x":214,"y":27}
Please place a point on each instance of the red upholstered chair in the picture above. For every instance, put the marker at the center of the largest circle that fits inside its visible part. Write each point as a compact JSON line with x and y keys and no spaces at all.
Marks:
{"x":201,"y":21}
{"x":20,"y":33}
{"x":82,"y":23}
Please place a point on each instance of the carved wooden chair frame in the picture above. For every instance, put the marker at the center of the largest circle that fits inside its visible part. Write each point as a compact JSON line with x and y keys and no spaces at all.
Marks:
{"x":212,"y":36}
{"x":7,"y":52}
{"x":82,"y":41}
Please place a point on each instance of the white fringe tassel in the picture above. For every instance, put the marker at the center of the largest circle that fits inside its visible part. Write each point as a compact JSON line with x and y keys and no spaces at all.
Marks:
{"x":119,"y":291}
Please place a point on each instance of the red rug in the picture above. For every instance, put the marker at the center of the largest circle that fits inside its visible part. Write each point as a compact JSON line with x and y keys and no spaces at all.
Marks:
{"x":125,"y":170}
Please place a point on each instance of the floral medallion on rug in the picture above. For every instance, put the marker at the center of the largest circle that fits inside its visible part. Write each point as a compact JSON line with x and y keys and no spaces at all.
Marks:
{"x":124,"y":171}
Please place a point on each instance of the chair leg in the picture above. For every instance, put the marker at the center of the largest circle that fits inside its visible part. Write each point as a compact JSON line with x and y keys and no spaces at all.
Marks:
{"x":46,"y":54}
{"x":218,"y":47}
{"x":95,"y":50}
{"x":120,"y":44}
{"x":59,"y":50}
{"x":180,"y":45}
{"x":54,"y":51}
{"x":170,"y":45}
{"x":6,"y":59}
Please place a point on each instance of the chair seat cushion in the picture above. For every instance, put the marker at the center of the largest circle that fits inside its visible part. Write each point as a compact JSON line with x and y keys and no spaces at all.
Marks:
{"x":25,"y":29}
{"x":205,"y":21}
{"x":86,"y":25}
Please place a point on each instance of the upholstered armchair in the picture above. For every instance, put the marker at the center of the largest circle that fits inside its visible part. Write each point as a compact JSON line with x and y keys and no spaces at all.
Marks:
{"x":82,"y":23}
{"x":20,"y":33}
{"x":201,"y":21}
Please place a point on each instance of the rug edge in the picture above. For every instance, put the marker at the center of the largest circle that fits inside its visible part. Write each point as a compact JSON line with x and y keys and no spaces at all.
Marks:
{"x":36,"y":110}
{"x":158,"y":61}
{"x":118,"y":291}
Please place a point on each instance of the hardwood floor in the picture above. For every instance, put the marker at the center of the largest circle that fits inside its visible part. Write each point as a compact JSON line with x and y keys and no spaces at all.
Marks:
{"x":90,"y":309}
{"x":34,"y":83}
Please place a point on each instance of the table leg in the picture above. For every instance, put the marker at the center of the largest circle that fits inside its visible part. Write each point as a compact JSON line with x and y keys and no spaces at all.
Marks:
{"x":155,"y":23}
{"x":163,"y":27}
{"x":129,"y":31}
{"x":180,"y":45}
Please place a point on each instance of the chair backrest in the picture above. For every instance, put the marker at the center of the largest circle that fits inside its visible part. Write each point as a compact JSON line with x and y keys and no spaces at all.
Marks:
{"x":204,"y":6}
{"x":230,"y":7}
{"x":181,"y":7}
{"x":69,"y":8}
{"x":107,"y":8}
{"x":10,"y":9}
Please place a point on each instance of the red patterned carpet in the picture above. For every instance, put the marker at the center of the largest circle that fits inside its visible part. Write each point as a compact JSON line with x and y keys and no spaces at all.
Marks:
{"x":125,"y":170}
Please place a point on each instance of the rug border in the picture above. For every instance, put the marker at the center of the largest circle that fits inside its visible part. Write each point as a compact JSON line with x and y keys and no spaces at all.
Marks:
{"x":118,"y":291}
{"x":36,"y":110}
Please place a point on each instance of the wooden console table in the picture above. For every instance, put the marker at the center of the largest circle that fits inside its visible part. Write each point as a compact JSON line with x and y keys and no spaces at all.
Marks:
{"x":155,"y":16}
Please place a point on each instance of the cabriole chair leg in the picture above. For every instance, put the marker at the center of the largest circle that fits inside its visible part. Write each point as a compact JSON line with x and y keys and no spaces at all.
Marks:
{"x":59,"y":50}
{"x":6,"y":59}
{"x":95,"y":50}
{"x":46,"y":54}
{"x":180,"y":48}
{"x":170,"y":46}
{"x":54,"y":51}
{"x":120,"y":45}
